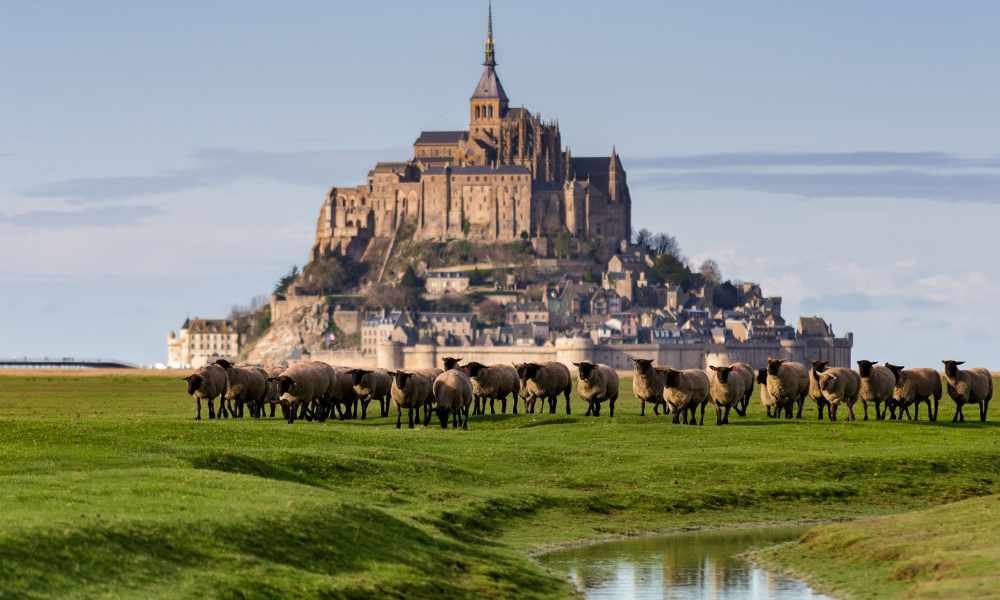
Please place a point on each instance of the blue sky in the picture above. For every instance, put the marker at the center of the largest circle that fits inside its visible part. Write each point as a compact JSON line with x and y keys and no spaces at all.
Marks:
{"x":159,"y":161}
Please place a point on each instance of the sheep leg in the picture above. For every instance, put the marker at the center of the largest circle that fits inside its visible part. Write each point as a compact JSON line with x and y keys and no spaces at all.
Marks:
{"x":399,"y":417}
{"x":611,"y":402}
{"x":802,"y":403}
{"x":515,"y":403}
{"x":850,"y":411}
{"x":703,"y":413}
{"x":291,"y":413}
{"x":566,"y":393}
{"x":718,"y":415}
{"x":464,"y":415}
{"x":197,"y":403}
{"x":410,"y":411}
{"x":503,"y":405}
{"x":984,"y":410}
{"x":958,"y":407}
{"x":936,"y":400}
{"x":455,"y":419}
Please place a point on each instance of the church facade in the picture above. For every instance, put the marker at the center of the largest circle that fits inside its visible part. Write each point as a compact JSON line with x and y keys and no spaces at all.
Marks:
{"x":506,"y":177}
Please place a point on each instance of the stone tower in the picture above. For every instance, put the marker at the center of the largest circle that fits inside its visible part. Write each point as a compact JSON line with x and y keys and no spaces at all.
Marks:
{"x":489,"y":102}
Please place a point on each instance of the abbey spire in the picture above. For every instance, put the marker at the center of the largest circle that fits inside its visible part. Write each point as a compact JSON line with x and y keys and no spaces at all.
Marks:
{"x":491,"y":56}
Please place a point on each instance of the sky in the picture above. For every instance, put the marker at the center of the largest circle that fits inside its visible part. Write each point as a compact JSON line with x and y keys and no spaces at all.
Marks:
{"x":165,"y":160}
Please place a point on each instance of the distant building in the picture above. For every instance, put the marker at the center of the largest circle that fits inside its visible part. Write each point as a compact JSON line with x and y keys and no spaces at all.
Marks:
{"x":529,"y":312}
{"x":440,"y":283}
{"x":383,"y":327}
{"x":202,"y":341}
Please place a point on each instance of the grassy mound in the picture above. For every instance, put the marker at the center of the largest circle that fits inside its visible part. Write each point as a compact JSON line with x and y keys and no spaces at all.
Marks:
{"x":946,"y":552}
{"x":109,"y":487}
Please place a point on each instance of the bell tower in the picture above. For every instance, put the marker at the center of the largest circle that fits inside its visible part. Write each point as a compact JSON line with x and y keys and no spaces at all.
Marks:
{"x":489,"y":102}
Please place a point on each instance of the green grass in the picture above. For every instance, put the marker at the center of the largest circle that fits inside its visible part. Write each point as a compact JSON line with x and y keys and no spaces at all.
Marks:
{"x":109,"y":488}
{"x":949,"y":551}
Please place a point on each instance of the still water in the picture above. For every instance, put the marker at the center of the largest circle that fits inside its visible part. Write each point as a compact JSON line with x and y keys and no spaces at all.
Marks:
{"x":681,"y":567}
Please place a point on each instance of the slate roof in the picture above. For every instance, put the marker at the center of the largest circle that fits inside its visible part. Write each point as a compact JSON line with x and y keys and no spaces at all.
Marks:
{"x":434,"y":138}
{"x":489,"y":86}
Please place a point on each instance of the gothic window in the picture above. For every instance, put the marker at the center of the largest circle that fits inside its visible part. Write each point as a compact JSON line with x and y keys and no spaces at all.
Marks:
{"x":477,"y":112}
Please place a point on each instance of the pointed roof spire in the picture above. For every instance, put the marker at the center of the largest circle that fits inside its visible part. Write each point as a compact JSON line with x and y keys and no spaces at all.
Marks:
{"x":491,"y":58}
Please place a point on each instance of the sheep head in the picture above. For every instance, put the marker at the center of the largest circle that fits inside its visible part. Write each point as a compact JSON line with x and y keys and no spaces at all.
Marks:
{"x":285,"y":385}
{"x":401,"y":378}
{"x":451,"y":363}
{"x":865,"y":367}
{"x":194,"y":383}
{"x":586,"y":369}
{"x":225,"y":364}
{"x":528,"y":371}
{"x":671,"y":377}
{"x":951,"y":367}
{"x":762,"y":376}
{"x":897,"y":372}
{"x":722,"y":373}
{"x":642,"y":365}
{"x":820,"y":365}
{"x":774,"y":365}
{"x":475,"y":368}
{"x":358,"y":376}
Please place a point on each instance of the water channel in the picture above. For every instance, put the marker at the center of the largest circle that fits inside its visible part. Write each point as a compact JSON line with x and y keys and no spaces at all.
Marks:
{"x":690,"y":566}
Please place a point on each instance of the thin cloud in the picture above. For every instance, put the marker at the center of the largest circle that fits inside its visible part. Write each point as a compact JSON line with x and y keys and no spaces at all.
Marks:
{"x":733,"y":160}
{"x":106,"y":216}
{"x":944,"y":187}
{"x":213,"y":167}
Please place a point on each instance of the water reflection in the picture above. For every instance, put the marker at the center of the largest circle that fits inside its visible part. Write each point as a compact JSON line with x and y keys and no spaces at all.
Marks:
{"x":681,"y":567}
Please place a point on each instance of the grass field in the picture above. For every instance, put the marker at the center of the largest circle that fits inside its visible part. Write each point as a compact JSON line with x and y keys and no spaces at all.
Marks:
{"x":111,"y":489}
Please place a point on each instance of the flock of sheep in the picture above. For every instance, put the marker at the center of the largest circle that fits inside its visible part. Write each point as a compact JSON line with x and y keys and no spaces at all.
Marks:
{"x":317,"y":391}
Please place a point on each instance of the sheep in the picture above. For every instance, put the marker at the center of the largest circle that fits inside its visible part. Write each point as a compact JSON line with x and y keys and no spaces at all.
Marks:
{"x":788,"y":384}
{"x":913,"y":386}
{"x":972,"y":386}
{"x":647,"y":385}
{"x":410,"y":390}
{"x":372,"y":385}
{"x":244,"y":386}
{"x":816,"y":368}
{"x":208,"y":383}
{"x":320,"y":408}
{"x":299,"y":386}
{"x":840,"y":386}
{"x":727,"y":389}
{"x":546,"y":382}
{"x":452,"y":391}
{"x":271,"y":397}
{"x":342,"y":396}
{"x":877,"y":383}
{"x":598,"y":383}
{"x":746,"y":372}
{"x":684,"y":392}
{"x":496,"y":383}
{"x":768,"y":401}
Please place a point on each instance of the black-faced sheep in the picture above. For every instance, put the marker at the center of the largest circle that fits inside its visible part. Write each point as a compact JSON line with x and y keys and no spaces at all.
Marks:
{"x":727,"y":389}
{"x":208,"y":383}
{"x":912,"y":387}
{"x":495,"y":382}
{"x":840,"y":386}
{"x":546,"y":382}
{"x":815,"y":393}
{"x":971,"y":386}
{"x":877,"y":383}
{"x":647,"y":385}
{"x":452,"y":392}
{"x":300,"y":386}
{"x":769,"y":402}
{"x":245,"y":386}
{"x":685,"y":391}
{"x":597,"y":384}
{"x":372,"y":385}
{"x":788,"y":384}
{"x":411,"y":391}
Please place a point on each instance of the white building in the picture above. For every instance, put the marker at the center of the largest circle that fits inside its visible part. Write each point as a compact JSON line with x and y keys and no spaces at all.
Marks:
{"x":202,"y":341}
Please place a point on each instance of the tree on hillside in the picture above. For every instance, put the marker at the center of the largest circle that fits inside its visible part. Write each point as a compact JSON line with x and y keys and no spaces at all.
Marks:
{"x":491,"y":313}
{"x":726,"y":296}
{"x":711,"y":272}
{"x":286,"y":281}
{"x":670,"y":269}
{"x":644,"y":238}
{"x":663,"y":243}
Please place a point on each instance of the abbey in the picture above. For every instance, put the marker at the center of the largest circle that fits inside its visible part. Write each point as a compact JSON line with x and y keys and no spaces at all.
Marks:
{"x":507,"y":177}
